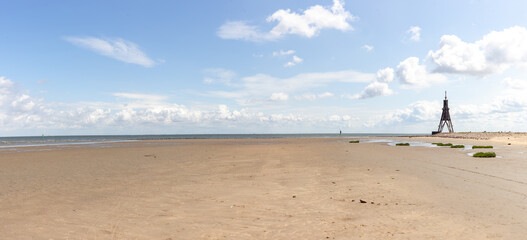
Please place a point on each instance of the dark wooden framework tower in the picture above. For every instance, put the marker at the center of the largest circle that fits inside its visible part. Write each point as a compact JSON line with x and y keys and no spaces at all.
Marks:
{"x":445,"y":119}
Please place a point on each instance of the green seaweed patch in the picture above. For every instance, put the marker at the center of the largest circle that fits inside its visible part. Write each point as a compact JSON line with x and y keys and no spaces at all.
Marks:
{"x":354,"y":141}
{"x":402,"y":144}
{"x":444,"y":144}
{"x":436,"y":143}
{"x":473,"y":147}
{"x":485,"y":154}
{"x":457,"y":146}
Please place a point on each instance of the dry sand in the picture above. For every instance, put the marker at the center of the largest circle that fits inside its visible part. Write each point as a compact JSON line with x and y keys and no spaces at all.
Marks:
{"x":264,"y":189}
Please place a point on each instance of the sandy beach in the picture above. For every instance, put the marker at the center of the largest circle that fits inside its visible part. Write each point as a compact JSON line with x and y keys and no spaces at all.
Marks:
{"x":315,"y":188}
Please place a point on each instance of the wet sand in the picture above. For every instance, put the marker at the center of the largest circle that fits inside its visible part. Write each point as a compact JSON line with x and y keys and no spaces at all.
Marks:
{"x":264,"y":189}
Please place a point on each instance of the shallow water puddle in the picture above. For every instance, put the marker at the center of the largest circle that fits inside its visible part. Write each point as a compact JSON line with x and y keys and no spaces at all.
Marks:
{"x":412,"y":143}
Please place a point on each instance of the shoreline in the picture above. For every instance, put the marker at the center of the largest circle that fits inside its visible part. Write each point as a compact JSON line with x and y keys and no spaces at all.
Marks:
{"x":476,"y":138}
{"x":480,"y":135}
{"x":74,"y":140}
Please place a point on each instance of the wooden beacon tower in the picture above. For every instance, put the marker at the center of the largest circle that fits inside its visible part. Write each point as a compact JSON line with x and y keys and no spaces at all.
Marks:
{"x":445,"y":119}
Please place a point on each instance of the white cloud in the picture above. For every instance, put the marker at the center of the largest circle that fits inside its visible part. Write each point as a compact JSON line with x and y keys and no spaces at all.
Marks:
{"x":307,"y":96}
{"x":335,"y":118}
{"x":141,"y":97}
{"x":420,"y":112}
{"x":415,"y":33}
{"x":378,"y":88}
{"x":6,"y":86}
{"x":368,"y":47}
{"x":281,"y":118}
{"x":117,"y":48}
{"x":509,"y":103}
{"x":16,"y":107}
{"x":311,"y":21}
{"x":42,"y":81}
{"x":219,"y":75}
{"x":456,"y":56}
{"x":313,"y":97}
{"x":374,"y":89}
{"x":261,"y":86}
{"x":515,"y":84}
{"x":414,"y":75}
{"x":342,"y":121}
{"x":12,"y":100}
{"x":240,"y":30}
{"x":283,"y":53}
{"x":494,"y":53}
{"x":385,"y":75}
{"x":23,"y":103}
{"x":296,"y":60}
{"x":424,"y":113}
{"x":307,"y":24}
{"x":325,"y":95}
{"x":279,"y":97}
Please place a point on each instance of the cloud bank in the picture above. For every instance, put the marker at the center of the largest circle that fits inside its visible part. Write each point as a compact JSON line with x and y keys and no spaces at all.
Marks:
{"x":19,"y":111}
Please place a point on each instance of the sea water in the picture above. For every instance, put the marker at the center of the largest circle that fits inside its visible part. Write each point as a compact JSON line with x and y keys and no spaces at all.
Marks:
{"x":31,"y":141}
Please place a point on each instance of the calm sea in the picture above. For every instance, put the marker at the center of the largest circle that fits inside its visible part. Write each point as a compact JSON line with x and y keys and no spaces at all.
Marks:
{"x":96,"y":139}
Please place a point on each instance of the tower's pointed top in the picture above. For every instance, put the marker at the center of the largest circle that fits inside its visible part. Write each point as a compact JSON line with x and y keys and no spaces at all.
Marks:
{"x":445,"y":95}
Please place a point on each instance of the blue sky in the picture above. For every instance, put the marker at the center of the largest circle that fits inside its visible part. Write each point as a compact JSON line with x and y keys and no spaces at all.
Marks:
{"x":169,"y":67}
